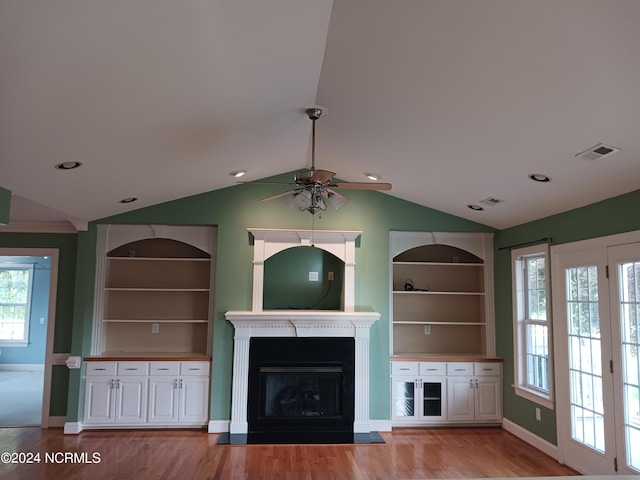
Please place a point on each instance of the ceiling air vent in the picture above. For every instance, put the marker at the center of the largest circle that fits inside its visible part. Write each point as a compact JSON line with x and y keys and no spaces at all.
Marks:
{"x":491,"y":201}
{"x":599,"y":151}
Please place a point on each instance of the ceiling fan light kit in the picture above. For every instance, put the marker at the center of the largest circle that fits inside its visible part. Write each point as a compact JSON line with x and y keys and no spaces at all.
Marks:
{"x":314,"y":187}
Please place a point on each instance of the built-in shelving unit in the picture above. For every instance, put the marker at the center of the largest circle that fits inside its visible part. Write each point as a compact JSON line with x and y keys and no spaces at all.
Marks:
{"x":442,"y":300}
{"x":154,"y":290}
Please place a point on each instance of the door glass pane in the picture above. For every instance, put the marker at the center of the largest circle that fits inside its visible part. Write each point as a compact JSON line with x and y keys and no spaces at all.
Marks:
{"x":585,"y":364}
{"x":432,"y":399}
{"x":629,"y":278}
{"x":404,"y":399}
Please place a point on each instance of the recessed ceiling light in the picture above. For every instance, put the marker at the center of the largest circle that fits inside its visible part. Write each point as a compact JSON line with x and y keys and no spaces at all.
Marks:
{"x":539,"y":177}
{"x":475,"y":207}
{"x":373,"y":176}
{"x":237,"y":173}
{"x":129,"y":200}
{"x":68,"y":165}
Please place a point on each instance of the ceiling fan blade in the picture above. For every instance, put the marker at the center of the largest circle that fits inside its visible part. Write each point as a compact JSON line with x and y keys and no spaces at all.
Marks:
{"x":279,"y":195}
{"x":361,"y":185}
{"x":321,"y":176}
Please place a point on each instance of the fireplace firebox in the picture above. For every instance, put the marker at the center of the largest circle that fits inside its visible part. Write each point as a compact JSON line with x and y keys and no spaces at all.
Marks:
{"x":301,"y":390}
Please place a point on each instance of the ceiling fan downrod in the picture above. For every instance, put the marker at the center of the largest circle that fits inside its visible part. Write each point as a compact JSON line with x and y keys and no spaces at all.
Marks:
{"x":314,"y":114}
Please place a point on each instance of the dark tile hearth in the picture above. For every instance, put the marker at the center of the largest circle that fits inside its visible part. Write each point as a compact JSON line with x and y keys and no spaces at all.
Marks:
{"x":358,"y":438}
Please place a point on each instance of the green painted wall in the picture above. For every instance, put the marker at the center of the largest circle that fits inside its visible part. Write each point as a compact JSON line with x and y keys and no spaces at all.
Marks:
{"x":612,"y":216}
{"x":287,"y":285}
{"x":5,"y":205}
{"x":66,"y":245}
{"x":233,"y":210}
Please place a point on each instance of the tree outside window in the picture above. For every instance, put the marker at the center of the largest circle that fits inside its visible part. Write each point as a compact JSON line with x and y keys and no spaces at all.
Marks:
{"x":15,"y":301}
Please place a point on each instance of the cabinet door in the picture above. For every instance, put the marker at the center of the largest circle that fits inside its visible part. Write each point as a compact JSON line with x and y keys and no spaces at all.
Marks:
{"x":433,"y":398}
{"x":404,"y":393}
{"x":488,"y":399}
{"x":163,"y":400}
{"x":460,"y":398}
{"x":131,"y":399}
{"x":98,"y":400}
{"x":194,"y":400}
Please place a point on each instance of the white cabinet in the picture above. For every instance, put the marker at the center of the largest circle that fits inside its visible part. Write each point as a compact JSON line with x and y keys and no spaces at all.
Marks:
{"x":139,"y":394}
{"x":179,"y":393}
{"x":428,"y":393}
{"x":419,"y":392}
{"x":116,"y":394}
{"x":474,"y":392}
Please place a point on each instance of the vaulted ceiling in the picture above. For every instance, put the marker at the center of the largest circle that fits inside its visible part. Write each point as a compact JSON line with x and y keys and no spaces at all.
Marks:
{"x":452,"y":101}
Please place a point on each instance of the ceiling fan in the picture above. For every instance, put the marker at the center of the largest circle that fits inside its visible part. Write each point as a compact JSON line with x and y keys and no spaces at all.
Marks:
{"x":314,"y":189}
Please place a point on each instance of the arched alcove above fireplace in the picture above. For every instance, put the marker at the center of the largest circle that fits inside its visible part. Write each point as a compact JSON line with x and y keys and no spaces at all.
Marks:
{"x":268,"y":242}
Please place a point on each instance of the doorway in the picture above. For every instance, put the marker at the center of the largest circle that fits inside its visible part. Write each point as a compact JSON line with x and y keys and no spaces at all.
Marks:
{"x":28,"y":285}
{"x":596,"y":304}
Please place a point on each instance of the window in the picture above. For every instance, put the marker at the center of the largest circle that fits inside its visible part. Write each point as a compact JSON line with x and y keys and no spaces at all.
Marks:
{"x":15,"y":300}
{"x":533,"y":369}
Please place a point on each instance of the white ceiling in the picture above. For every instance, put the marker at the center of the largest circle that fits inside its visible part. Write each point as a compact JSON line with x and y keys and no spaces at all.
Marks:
{"x":451,"y":101}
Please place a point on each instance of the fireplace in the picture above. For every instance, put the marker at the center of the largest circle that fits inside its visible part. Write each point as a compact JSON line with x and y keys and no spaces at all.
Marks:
{"x":319,"y":374}
{"x":301,"y":390}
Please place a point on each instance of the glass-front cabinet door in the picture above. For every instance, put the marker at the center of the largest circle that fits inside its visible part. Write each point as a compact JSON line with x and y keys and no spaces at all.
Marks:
{"x":404,"y":391}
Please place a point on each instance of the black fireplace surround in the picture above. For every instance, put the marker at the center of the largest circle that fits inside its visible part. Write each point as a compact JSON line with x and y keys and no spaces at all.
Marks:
{"x":301,"y":390}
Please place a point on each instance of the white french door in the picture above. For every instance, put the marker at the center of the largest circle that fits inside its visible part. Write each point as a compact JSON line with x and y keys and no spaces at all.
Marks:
{"x":624,"y":277}
{"x":596,"y":355}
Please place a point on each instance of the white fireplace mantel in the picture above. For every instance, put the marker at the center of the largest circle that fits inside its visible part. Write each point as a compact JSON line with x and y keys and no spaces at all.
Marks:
{"x":301,"y":323}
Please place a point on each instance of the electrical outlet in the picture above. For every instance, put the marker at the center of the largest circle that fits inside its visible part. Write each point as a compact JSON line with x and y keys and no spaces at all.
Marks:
{"x":41,"y":320}
{"x":427,"y":329}
{"x":313,"y":276}
{"x":155,"y":328}
{"x":538,"y":414}
{"x":330,"y":276}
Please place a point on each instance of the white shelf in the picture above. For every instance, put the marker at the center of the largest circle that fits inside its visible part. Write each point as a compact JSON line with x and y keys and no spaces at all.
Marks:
{"x":158,"y":259}
{"x":409,"y":322}
{"x":167,"y":279}
{"x":453,"y":277}
{"x":135,"y":289}
{"x":440,"y":264}
{"x":171,"y":320}
{"x":428,"y":292}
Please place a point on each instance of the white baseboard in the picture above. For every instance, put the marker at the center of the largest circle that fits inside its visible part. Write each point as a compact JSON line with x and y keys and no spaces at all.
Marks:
{"x":72,"y":428}
{"x":218,"y":426}
{"x":380,"y":425}
{"x":57,"y":422}
{"x":532,"y":439}
{"x":23,"y":367}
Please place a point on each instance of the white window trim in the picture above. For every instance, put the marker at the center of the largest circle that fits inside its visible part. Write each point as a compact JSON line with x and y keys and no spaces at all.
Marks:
{"x":519,"y":382}
{"x":22,"y":343}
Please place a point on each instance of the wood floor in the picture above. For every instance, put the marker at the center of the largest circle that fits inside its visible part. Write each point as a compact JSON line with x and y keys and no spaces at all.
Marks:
{"x":161,"y":454}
